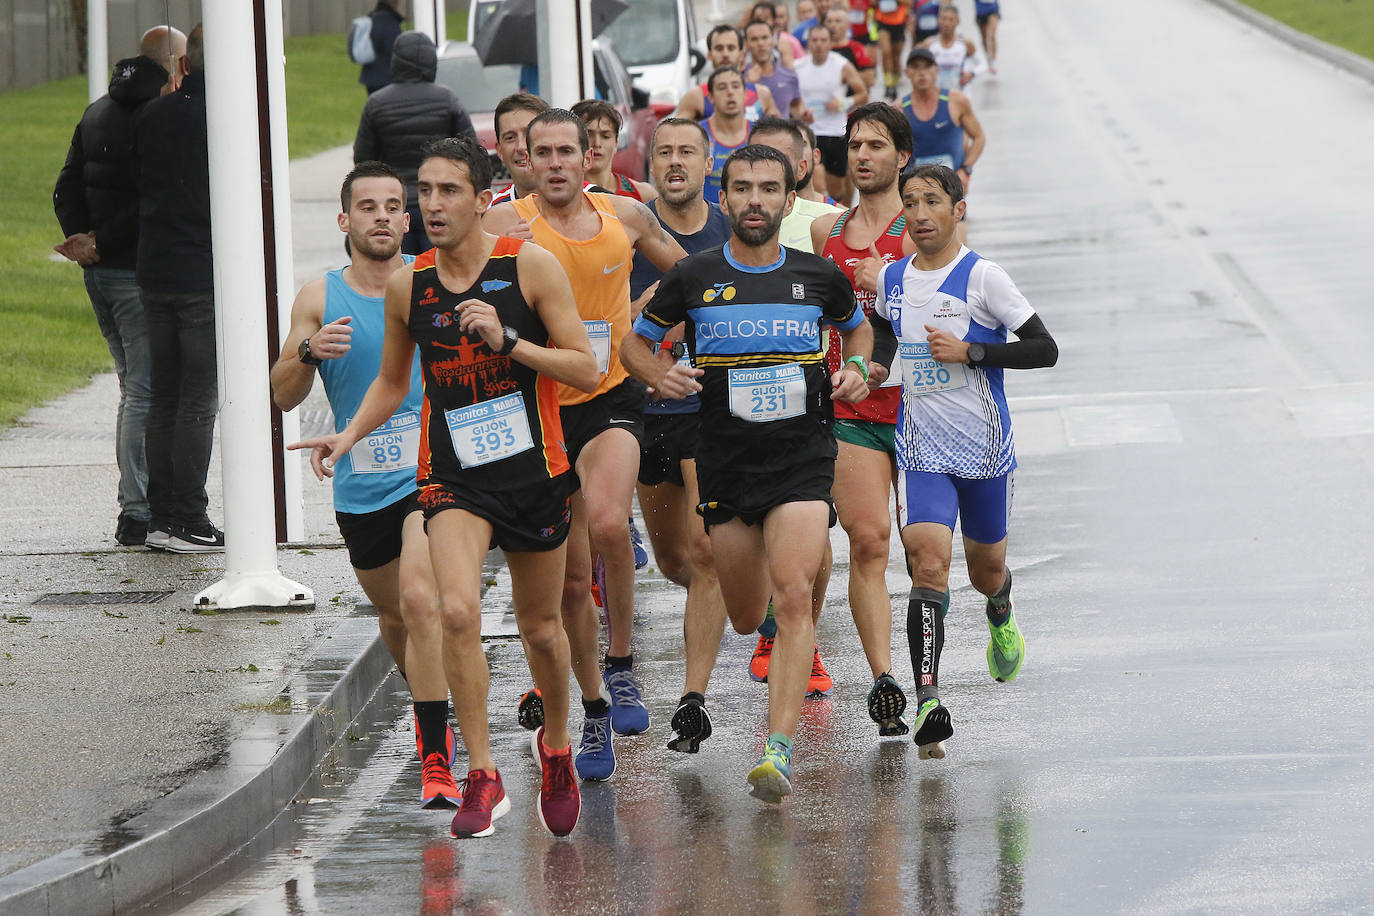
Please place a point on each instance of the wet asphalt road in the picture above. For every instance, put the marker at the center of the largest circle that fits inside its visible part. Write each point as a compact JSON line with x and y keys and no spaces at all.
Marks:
{"x":1185,"y":201}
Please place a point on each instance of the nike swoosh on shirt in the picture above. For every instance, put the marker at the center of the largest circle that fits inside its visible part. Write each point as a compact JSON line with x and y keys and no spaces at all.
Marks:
{"x":613,"y":268}
{"x":940,"y":124}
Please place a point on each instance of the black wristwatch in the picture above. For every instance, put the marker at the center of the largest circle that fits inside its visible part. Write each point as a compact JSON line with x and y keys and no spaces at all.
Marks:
{"x":303,"y":351}
{"x":511,"y":338}
{"x":976,"y":354}
{"x":678,"y":350}
{"x":968,"y":170}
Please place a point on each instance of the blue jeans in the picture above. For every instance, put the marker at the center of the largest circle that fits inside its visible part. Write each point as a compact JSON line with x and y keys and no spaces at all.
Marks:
{"x":119,"y":312}
{"x":185,"y":399}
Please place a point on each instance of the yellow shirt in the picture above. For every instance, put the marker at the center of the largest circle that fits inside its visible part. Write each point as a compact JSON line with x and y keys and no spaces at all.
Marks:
{"x":796,"y":226}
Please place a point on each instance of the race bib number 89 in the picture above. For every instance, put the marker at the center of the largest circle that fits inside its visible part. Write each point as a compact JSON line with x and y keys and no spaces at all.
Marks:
{"x":768,"y":393}
{"x":921,"y":374}
{"x":394,"y":446}
{"x":489,"y":431}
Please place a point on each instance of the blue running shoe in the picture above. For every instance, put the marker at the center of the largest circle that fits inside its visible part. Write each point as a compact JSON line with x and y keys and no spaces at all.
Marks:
{"x":595,"y":760}
{"x":771,"y":777}
{"x":628,"y":715}
{"x":637,"y":542}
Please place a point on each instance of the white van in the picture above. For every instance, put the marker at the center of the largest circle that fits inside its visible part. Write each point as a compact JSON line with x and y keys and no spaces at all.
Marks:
{"x":656,"y":39}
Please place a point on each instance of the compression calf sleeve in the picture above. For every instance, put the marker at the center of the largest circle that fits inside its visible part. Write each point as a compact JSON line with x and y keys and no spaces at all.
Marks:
{"x":925,"y":634}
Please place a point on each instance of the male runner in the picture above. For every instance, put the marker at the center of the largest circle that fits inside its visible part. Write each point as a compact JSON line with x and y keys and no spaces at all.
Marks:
{"x":594,"y":237}
{"x":843,"y":44}
{"x":944,"y":129}
{"x":603,"y":127}
{"x":812,"y":190}
{"x":824,"y":77}
{"x":725,"y":48}
{"x":950,"y":311}
{"x":337,"y":325}
{"x":953,"y":52}
{"x":988,"y":13}
{"x":680,"y":157}
{"x":497,"y":329}
{"x":727,"y":127}
{"x":767,"y":454}
{"x":512,"y":116}
{"x":891,"y":17}
{"x":767,"y":67}
{"x":925,"y":20}
{"x":861,"y":240}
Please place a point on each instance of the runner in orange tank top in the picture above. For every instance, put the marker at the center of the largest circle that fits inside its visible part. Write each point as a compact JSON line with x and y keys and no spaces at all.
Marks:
{"x":595,"y":236}
{"x":860,"y":241}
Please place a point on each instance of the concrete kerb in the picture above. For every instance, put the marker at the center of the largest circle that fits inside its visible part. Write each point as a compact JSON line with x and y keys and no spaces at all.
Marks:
{"x":1337,"y":57}
{"x":199,"y":824}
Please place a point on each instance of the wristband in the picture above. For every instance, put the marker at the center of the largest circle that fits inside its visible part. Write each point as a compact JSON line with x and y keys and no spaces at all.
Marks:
{"x":858,"y":362}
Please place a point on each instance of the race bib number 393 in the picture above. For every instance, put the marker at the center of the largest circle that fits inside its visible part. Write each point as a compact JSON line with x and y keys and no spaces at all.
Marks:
{"x":768,"y":393}
{"x":489,"y":431}
{"x":921,"y":374}
{"x":394,"y":446}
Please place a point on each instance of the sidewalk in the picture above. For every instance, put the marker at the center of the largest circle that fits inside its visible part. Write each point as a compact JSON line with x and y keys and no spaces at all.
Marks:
{"x":114,"y":693}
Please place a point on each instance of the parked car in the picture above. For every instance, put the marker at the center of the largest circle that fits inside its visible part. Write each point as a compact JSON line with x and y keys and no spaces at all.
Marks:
{"x":481,"y":88}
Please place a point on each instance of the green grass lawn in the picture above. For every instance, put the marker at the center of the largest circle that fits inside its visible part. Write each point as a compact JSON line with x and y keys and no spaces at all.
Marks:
{"x":49,"y":343}
{"x":1346,"y":23}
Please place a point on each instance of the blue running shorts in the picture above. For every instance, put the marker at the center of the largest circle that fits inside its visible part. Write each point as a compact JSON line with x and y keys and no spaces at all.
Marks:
{"x":983,"y":507}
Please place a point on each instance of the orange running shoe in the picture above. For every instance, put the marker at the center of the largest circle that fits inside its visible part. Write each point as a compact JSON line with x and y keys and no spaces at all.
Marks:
{"x":437,"y":788}
{"x":763,"y":653}
{"x":821,"y":682}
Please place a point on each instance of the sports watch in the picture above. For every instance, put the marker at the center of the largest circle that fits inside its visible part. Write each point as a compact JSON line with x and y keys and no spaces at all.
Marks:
{"x":511,"y":337}
{"x":303,"y":352}
{"x":976,"y":354}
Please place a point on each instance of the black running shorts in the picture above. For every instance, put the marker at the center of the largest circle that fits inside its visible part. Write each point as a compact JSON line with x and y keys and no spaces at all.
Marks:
{"x":834,"y":155}
{"x":620,"y":408}
{"x":669,"y":440}
{"x":531,"y":519}
{"x":374,"y":538}
{"x":726,"y":494}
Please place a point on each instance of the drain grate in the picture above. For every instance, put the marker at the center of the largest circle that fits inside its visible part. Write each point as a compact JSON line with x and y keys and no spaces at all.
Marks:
{"x":72,"y":598}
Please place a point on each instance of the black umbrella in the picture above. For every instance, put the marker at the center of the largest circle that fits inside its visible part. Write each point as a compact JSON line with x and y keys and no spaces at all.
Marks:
{"x":508,"y":36}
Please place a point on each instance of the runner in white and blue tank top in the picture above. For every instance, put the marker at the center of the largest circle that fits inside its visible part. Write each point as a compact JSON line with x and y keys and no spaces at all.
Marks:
{"x":947,"y":314}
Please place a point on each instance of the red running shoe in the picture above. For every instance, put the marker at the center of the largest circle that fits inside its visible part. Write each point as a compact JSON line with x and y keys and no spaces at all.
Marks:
{"x":437,"y":788}
{"x":821,"y":682}
{"x":763,"y":653}
{"x":559,"y":799}
{"x":484,"y":801}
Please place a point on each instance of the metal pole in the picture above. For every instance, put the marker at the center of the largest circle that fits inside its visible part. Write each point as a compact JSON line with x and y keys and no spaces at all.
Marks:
{"x":424,"y":17}
{"x":251,"y":578}
{"x":285,"y":278}
{"x":97,"y":49}
{"x":566,"y":79}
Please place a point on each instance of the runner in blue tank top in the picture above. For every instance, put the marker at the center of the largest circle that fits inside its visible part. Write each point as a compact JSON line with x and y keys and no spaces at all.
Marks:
{"x":680,"y":156}
{"x":725,"y":48}
{"x":728,"y":128}
{"x":337,"y":326}
{"x":944,"y":129}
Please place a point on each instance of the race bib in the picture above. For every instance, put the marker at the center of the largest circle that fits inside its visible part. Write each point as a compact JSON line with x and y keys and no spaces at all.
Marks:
{"x":944,"y":159}
{"x":921,"y":374}
{"x":928,"y":22}
{"x":600,"y":333}
{"x":489,"y":431}
{"x":393,"y":446}
{"x":887,"y":6}
{"x":769,"y":393}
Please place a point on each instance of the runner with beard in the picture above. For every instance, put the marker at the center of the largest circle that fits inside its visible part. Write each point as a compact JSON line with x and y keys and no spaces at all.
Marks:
{"x":753,"y":311}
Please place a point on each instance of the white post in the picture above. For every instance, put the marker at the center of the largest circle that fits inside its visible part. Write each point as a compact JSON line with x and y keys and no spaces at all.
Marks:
{"x":440,"y":23}
{"x":564,"y":77}
{"x":97,"y":48}
{"x":423,"y":19}
{"x":286,"y":273}
{"x":251,"y":578}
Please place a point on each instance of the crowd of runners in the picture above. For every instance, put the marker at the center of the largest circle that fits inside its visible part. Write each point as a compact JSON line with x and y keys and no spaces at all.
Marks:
{"x":752,"y":360}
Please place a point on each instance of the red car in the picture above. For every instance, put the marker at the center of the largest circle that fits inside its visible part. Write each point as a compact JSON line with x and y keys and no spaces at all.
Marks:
{"x":480,"y":88}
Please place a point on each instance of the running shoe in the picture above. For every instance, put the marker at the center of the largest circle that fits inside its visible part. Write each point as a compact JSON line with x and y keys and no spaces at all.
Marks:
{"x":886,"y":703}
{"x":484,"y":802}
{"x":131,"y":532}
{"x":559,"y":799}
{"x":933,"y":726}
{"x":158,"y":534}
{"x":419,"y":748}
{"x":637,"y":542}
{"x":628,"y":715}
{"x":771,"y":777}
{"x":437,"y":788}
{"x":1006,"y":650}
{"x":530,"y":711}
{"x":595,"y":760}
{"x":599,"y":582}
{"x":821,"y":682}
{"x":758,"y":665}
{"x":204,"y":538}
{"x":691,"y":725}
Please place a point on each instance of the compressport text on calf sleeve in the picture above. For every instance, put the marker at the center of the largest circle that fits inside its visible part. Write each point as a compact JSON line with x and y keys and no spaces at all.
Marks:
{"x":1035,"y":349}
{"x":925,"y":633}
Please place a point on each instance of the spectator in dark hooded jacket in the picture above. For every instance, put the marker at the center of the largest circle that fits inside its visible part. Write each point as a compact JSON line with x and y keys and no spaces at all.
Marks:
{"x":399,"y":118}
{"x":386,"y":28}
{"x":96,"y":202}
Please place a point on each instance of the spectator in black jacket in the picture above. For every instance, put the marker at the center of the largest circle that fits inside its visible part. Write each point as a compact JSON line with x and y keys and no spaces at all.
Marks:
{"x":386,"y":28}
{"x":398,"y":120}
{"x":96,"y":202}
{"x":176,"y":279}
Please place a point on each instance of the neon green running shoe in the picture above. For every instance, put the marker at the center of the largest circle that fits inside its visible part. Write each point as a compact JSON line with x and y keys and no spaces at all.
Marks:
{"x":932,"y":726}
{"x":771,"y":777}
{"x":1006,"y":650}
